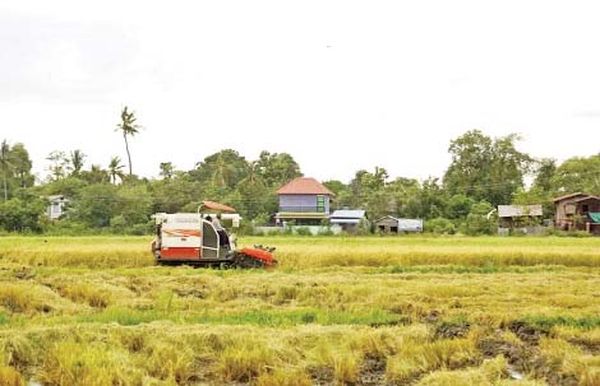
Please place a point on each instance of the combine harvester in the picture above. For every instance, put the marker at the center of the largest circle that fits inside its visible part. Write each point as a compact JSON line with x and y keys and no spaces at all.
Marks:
{"x":188,"y":238}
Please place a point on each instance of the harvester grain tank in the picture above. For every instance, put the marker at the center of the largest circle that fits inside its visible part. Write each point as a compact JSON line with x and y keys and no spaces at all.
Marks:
{"x":189,"y":238}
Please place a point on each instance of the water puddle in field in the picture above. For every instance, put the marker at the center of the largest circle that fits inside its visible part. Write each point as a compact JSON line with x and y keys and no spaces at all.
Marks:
{"x":514,"y":374}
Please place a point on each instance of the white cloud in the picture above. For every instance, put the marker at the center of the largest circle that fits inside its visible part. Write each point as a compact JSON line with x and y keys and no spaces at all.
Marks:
{"x":341,"y":85}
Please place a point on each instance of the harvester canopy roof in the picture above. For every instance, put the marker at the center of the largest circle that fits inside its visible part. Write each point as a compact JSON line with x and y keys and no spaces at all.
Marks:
{"x":217,"y":207}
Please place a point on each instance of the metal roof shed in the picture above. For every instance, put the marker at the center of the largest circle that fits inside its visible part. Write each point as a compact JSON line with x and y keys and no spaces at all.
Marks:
{"x":347,"y":216}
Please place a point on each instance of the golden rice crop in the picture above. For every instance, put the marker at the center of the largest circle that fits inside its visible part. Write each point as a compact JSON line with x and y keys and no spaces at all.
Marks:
{"x":419,"y":310}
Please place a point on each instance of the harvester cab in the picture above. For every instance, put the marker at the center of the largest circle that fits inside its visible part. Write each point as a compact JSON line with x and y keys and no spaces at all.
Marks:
{"x":189,"y":238}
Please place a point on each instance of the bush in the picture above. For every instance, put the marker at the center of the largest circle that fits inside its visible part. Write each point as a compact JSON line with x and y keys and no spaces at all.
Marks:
{"x":479,"y":222}
{"x":325,"y":231}
{"x":441,"y":226}
{"x":118,"y":224}
{"x":560,"y":233}
{"x":262,"y":219}
{"x":303,"y":231}
{"x":140,"y":229}
{"x":68,"y":227}
{"x":22,"y":215}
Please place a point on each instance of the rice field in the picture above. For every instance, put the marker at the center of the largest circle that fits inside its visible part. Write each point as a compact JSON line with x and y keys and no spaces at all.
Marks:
{"x":356,"y":311}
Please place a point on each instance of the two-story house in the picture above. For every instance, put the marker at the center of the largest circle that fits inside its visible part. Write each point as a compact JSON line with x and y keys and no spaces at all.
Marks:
{"x":305,"y":201}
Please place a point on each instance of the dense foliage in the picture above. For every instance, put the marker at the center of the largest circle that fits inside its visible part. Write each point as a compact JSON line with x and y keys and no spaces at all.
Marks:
{"x":484,"y":172}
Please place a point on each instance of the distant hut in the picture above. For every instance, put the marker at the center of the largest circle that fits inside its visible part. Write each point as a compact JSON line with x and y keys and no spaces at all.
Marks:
{"x":578,"y":211}
{"x":348,"y":220}
{"x":391,"y":224}
{"x":526,"y":219}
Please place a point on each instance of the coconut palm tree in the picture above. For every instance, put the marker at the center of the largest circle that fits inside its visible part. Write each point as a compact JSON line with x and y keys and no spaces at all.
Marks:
{"x":6,"y":165}
{"x":115,"y":169}
{"x":223,"y":171}
{"x":77,"y":159}
{"x":129,"y":128}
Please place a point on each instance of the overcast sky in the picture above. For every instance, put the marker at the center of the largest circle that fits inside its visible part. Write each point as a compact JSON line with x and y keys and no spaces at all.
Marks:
{"x":341,"y":85}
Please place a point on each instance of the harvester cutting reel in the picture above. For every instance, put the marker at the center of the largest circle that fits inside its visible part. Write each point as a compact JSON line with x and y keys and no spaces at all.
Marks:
{"x":257,"y":257}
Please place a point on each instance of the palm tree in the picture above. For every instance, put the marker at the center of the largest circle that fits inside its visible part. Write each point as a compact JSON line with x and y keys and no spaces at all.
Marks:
{"x":77,"y":158}
{"x":166,"y":170}
{"x":5,"y":165}
{"x":128,"y":127}
{"x":115,"y":169}
{"x":223,"y":171}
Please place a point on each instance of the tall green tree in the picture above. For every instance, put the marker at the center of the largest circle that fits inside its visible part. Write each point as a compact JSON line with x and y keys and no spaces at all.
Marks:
{"x":487,"y":169}
{"x":19,"y":158}
{"x":96,"y":204}
{"x":544,"y":173}
{"x":277,"y":169}
{"x":369,"y":191}
{"x":129,"y":128}
{"x":58,"y":164}
{"x":166,"y":170}
{"x":222,"y":171}
{"x":96,"y":175}
{"x":6,"y":166}
{"x":172,"y":195}
{"x":255,"y":197}
{"x":578,"y":174}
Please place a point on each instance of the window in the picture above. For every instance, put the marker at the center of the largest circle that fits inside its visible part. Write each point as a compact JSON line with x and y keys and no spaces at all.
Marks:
{"x":210,"y":242}
{"x":320,"y":204}
{"x":585,"y":208}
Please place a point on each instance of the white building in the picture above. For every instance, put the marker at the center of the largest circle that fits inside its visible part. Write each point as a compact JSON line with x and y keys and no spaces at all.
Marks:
{"x":56,"y":207}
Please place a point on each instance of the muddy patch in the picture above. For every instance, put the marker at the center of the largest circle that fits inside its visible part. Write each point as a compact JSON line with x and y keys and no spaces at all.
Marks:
{"x":590,"y":347}
{"x":372,"y":371}
{"x":518,"y":355}
{"x":321,"y":375}
{"x":451,"y":330}
{"x":527,"y":332}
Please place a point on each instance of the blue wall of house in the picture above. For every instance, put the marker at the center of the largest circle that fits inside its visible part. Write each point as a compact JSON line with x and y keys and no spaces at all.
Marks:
{"x":289,"y":202}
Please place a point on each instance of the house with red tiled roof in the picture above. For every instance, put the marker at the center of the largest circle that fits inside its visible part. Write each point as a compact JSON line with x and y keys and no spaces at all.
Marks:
{"x":305,"y":201}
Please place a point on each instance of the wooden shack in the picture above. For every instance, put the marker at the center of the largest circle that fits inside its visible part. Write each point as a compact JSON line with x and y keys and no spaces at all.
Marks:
{"x":526,"y":219}
{"x":578,"y":211}
{"x":390,"y":224}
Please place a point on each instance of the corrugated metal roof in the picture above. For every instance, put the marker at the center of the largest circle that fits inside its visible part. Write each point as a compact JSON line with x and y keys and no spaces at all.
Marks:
{"x":388,"y":216}
{"x":304,"y":185}
{"x":344,"y":221}
{"x":348,"y":213}
{"x":519,"y":210}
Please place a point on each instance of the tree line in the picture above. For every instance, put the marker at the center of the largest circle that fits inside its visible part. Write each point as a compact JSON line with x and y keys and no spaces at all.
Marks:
{"x":484,"y":172}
